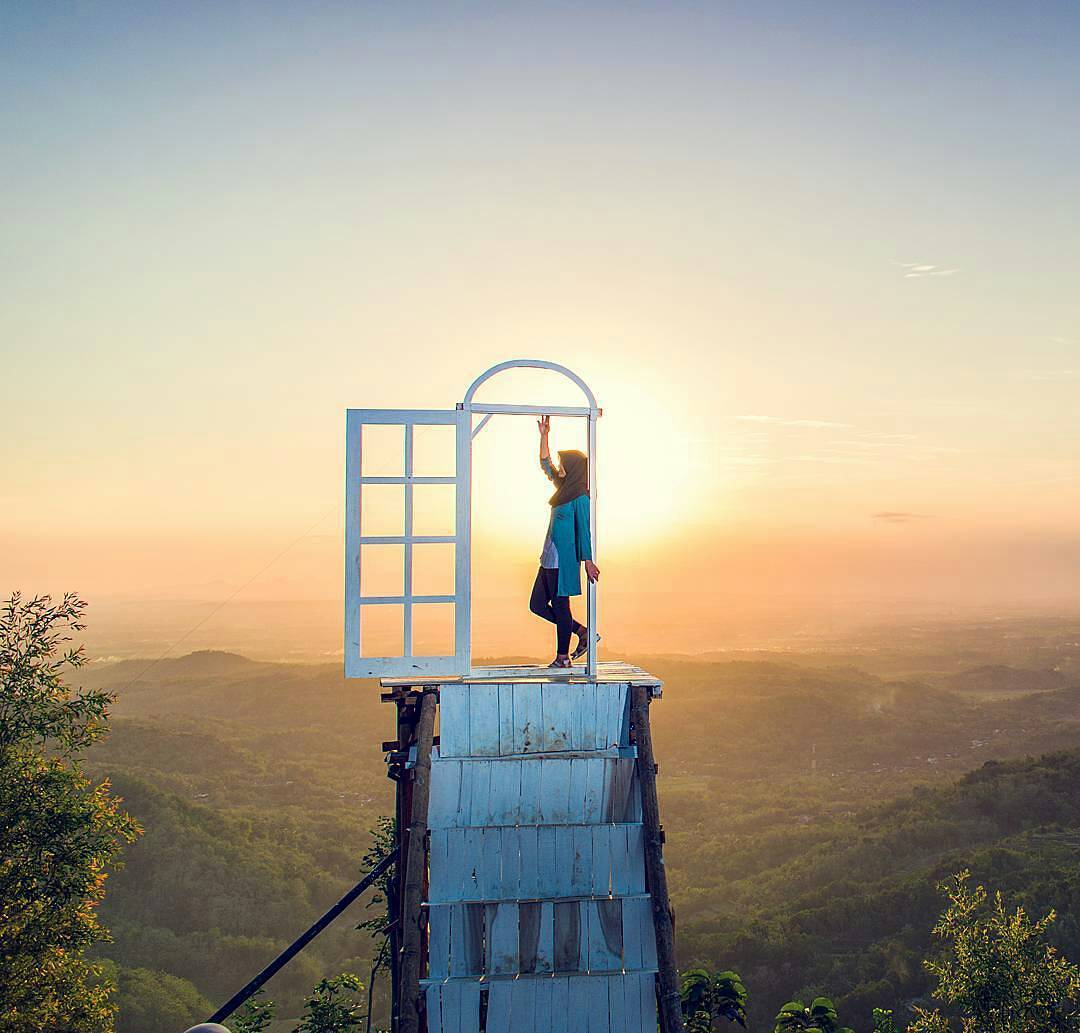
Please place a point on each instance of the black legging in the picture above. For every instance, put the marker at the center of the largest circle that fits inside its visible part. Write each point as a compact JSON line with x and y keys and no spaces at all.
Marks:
{"x":547,"y":603}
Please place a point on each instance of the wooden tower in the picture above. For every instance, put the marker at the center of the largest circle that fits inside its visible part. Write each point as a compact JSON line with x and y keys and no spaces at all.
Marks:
{"x":530,"y":894}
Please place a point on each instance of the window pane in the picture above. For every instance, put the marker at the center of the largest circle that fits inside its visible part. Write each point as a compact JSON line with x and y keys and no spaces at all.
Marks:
{"x":434,"y":450}
{"x":382,"y":630}
{"x":382,"y":509}
{"x":433,"y":629}
{"x":382,"y":450}
{"x":382,"y":570}
{"x":433,"y":569}
{"x":434,"y":508}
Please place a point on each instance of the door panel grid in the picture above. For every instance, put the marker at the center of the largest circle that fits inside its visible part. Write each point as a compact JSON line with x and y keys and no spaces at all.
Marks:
{"x":358,"y":664}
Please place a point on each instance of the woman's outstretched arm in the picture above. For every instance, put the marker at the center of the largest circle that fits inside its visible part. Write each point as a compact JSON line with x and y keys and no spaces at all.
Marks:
{"x":544,"y":423}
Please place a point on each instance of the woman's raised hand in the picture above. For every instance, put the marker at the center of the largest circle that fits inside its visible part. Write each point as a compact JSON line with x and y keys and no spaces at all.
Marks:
{"x":544,"y":423}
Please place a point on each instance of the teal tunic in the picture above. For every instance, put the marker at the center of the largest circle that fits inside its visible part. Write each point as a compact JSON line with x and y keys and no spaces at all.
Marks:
{"x":571,"y":536}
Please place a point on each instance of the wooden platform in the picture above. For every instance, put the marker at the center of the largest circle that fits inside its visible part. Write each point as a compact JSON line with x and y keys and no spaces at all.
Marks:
{"x":607,"y":671}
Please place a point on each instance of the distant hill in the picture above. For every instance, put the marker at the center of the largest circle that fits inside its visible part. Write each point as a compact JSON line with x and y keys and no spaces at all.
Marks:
{"x":808,"y":808}
{"x":845,"y":906}
{"x":1001,"y":679}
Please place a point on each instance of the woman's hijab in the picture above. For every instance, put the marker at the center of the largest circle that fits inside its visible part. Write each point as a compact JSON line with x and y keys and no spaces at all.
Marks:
{"x":575,"y":481}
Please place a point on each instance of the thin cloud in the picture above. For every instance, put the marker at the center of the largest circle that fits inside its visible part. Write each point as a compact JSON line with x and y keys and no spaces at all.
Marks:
{"x":891,"y":516}
{"x":782,"y":421}
{"x":919,"y":270}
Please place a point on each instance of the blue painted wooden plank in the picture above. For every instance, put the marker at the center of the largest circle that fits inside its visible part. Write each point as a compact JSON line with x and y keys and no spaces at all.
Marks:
{"x":545,"y":950}
{"x":445,"y":791}
{"x":507,"y":807}
{"x":648,"y":933}
{"x":470,"y":1008}
{"x":563,"y":875}
{"x":510,"y":855}
{"x":557,"y":710}
{"x":576,"y":1011}
{"x":528,"y":719}
{"x":596,"y":1004}
{"x":478,"y":775}
{"x":554,"y":791}
{"x":472,"y":875}
{"x":567,"y":936}
{"x":560,"y":1004}
{"x":635,"y":858}
{"x":528,"y":935}
{"x":582,"y":877}
{"x":547,"y":870}
{"x":498,"y":1013}
{"x":491,"y":865}
{"x":647,"y":998}
{"x":451,"y":1007}
{"x":459,"y":947}
{"x":452,"y":880}
{"x":433,"y":993}
{"x":605,"y":935}
{"x":603,"y":716}
{"x":483,"y":720}
{"x":628,"y":987}
{"x":634,"y":932}
{"x":579,"y":773}
{"x":506,"y":719}
{"x":602,"y":856}
{"x":503,"y":934}
{"x":472,"y":939}
{"x":530,"y":791}
{"x":523,"y":1005}
{"x":588,"y":718}
{"x":439,"y":941}
{"x":438,"y":864}
{"x":544,"y":1014}
{"x":529,"y":884}
{"x":624,"y":722}
{"x":617,"y":1003}
{"x":454,"y":721}
{"x":594,"y":792}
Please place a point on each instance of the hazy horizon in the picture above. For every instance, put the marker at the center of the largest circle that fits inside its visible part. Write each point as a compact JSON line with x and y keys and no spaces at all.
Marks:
{"x":818,"y":264}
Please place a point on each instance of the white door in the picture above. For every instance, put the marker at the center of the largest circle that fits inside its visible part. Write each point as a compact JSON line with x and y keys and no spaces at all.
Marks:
{"x":407,"y":497}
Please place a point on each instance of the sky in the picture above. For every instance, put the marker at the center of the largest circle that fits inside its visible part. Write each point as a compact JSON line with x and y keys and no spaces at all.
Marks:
{"x":817,"y":261}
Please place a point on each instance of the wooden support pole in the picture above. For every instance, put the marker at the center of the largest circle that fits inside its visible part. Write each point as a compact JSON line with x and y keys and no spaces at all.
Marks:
{"x":670,"y":1006}
{"x":413,"y":883}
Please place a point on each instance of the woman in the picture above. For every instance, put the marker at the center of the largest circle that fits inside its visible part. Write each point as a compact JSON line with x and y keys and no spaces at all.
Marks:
{"x":567,"y":543}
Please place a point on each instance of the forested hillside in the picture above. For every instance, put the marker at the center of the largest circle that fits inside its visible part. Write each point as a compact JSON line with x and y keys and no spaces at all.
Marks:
{"x":809,"y":810}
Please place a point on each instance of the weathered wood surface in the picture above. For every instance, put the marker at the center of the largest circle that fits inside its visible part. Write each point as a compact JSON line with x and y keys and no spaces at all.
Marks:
{"x":607,"y":671}
{"x":529,"y":862}
{"x":415,"y":869}
{"x":539,"y":914}
{"x":545,"y":1004}
{"x":668,"y":974}
{"x":507,"y":719}
{"x":512,"y":937}
{"x":549,"y":790}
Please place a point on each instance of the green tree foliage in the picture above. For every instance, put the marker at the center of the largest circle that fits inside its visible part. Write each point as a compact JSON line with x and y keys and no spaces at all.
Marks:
{"x":151,"y":1000}
{"x":256,"y":1017}
{"x":820,"y":1015}
{"x":59,"y":831}
{"x":707,"y":998}
{"x":998,"y":971}
{"x":334,"y":1006}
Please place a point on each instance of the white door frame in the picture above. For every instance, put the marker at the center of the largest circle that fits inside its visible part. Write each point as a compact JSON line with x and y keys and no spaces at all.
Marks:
{"x":460,"y":663}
